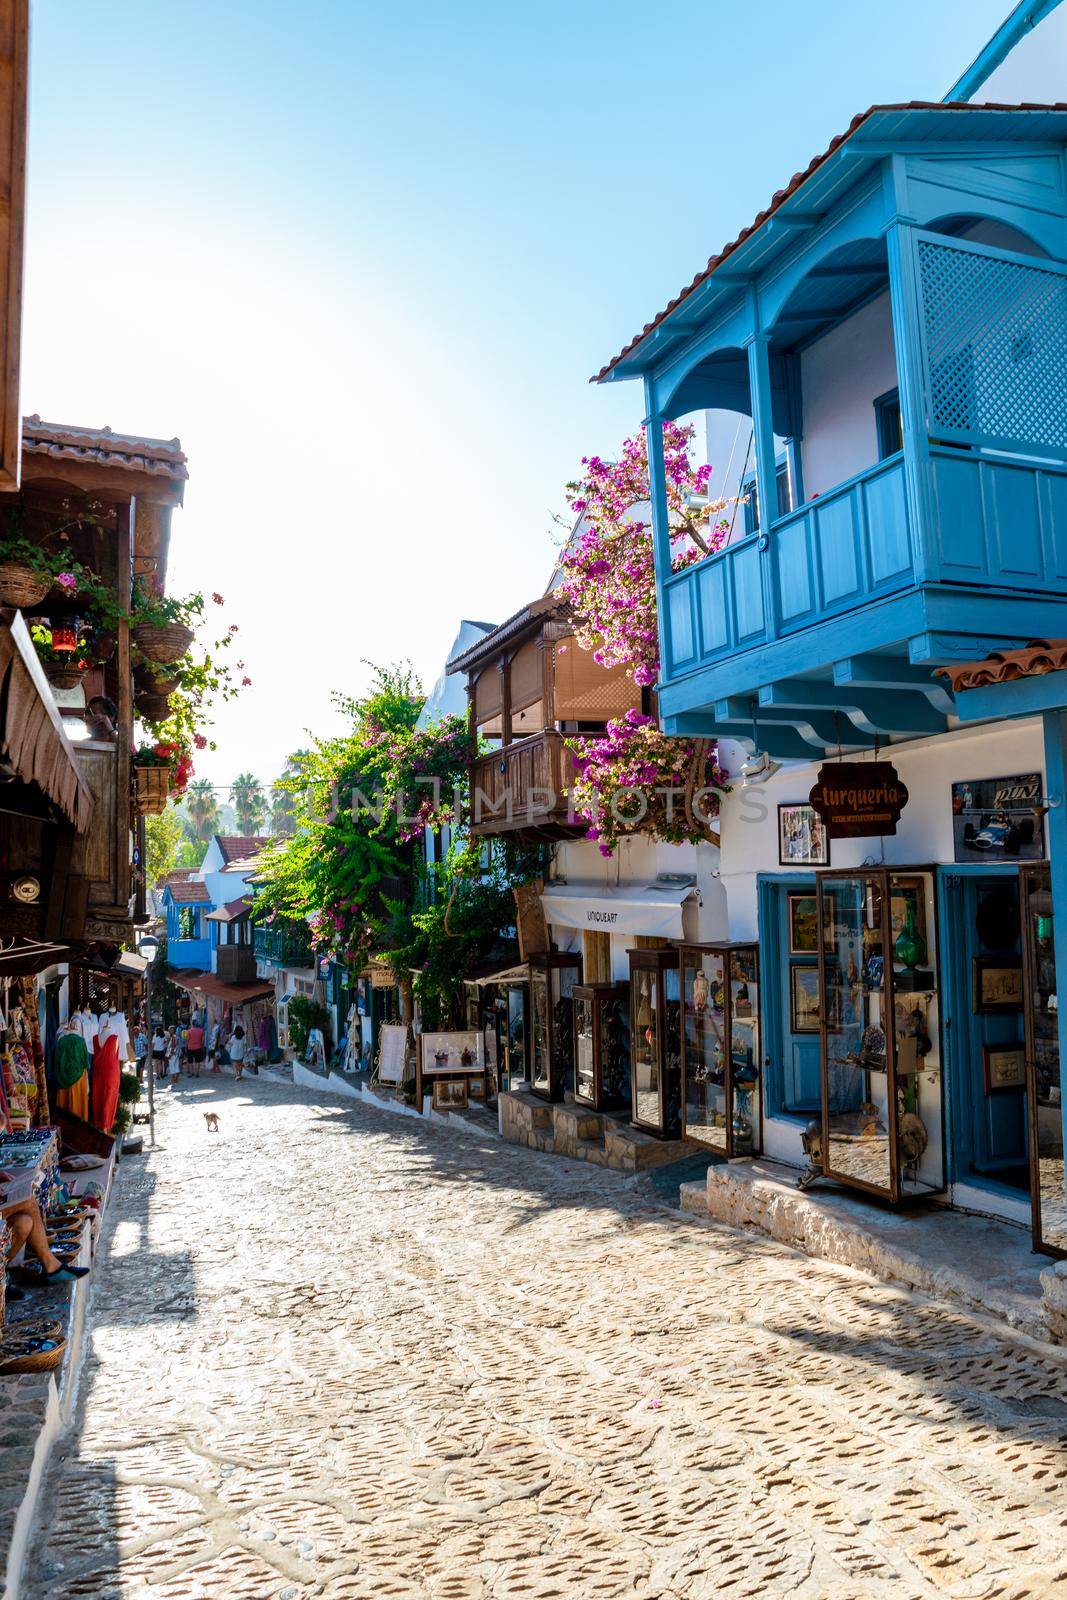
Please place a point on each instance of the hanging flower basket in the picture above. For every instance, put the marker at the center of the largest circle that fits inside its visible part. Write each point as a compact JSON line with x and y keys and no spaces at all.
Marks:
{"x":152,"y":680}
{"x":153,"y":790}
{"x":21,"y":587}
{"x":153,"y":707}
{"x":168,"y":642}
{"x":65,"y":675}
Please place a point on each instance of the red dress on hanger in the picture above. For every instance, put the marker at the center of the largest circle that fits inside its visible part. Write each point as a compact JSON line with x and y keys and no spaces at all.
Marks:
{"x":105,"y":1085}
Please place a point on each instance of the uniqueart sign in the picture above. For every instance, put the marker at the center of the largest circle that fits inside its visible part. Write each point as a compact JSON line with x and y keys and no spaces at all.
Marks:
{"x":858,"y":799}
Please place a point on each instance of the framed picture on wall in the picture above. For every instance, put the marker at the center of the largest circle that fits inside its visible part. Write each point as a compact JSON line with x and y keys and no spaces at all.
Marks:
{"x":802,"y":840}
{"x":804,"y":999}
{"x":997,"y":985}
{"x":803,"y":925}
{"x":999,"y":819}
{"x":1003,"y":1067}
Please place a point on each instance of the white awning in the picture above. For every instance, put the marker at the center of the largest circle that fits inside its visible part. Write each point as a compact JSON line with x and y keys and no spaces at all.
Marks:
{"x":653,"y":909}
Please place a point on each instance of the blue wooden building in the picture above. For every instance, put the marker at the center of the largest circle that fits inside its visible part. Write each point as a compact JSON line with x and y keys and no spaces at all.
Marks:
{"x":892,"y":329}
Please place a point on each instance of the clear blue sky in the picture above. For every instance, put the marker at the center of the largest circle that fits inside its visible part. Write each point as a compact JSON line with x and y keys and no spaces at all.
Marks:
{"x":363,"y":259}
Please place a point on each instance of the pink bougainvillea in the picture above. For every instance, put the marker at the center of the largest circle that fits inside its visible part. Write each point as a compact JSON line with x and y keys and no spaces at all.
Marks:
{"x":609,"y":571}
{"x":635,"y":779}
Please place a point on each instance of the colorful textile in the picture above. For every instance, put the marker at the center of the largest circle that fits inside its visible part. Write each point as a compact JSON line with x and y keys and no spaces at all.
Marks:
{"x":105,"y":1088}
{"x":72,"y":1059}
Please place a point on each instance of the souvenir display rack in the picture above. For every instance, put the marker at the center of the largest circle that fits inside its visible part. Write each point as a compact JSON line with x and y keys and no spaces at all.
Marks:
{"x":721,"y":1047}
{"x":879,"y":1026}
{"x":553,"y":977}
{"x":1044,"y":1079}
{"x":655,"y":1041}
{"x":602,"y":1045}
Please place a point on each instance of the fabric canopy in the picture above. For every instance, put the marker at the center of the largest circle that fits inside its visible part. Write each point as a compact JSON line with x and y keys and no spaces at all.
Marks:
{"x":652,"y":909}
{"x":206,"y":983}
{"x":32,"y":739}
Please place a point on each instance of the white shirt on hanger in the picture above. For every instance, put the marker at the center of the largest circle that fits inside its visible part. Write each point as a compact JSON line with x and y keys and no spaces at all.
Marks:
{"x":113,"y":1022}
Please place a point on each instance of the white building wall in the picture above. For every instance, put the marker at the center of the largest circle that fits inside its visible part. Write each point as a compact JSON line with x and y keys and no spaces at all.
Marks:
{"x":841,"y":376}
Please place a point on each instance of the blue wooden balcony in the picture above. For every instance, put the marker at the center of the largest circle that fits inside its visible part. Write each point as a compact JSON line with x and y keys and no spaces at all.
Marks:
{"x":189,"y":955}
{"x":893,"y":327}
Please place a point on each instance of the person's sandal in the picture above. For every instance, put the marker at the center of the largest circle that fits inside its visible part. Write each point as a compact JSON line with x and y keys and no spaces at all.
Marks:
{"x":64,"y":1275}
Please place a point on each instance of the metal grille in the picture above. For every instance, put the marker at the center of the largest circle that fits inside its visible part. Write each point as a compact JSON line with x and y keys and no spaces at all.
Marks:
{"x":996,"y":348}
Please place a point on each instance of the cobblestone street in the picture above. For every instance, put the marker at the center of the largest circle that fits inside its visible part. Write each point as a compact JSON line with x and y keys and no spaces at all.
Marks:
{"x":336,"y":1353}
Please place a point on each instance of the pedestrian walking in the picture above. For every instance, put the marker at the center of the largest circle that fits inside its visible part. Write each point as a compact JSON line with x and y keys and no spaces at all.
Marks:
{"x":173,"y":1053}
{"x":159,"y":1051}
{"x":213,"y":1046}
{"x":140,"y":1050}
{"x":194,"y":1046}
{"x":237,"y":1051}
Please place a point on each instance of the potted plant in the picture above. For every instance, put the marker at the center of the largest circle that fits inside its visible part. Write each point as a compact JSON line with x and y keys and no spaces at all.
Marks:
{"x":64,"y":652}
{"x":162,"y":769}
{"x":162,"y":625}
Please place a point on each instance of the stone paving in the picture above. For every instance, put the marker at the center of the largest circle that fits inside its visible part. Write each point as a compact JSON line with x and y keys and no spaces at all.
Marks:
{"x":343,"y":1355}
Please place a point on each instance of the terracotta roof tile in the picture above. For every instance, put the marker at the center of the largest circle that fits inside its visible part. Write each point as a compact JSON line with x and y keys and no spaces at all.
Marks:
{"x":791,"y":188}
{"x":1004,"y":666}
{"x":162,"y":458}
{"x":236,"y":847}
{"x":189,"y":894}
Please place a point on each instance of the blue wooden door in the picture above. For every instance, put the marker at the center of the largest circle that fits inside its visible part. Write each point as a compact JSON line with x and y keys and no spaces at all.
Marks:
{"x":988,"y":1130}
{"x":792,"y":1065}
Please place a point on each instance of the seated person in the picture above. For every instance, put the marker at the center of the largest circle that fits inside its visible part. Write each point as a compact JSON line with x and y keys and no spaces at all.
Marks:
{"x":26,"y":1227}
{"x":101,"y":719}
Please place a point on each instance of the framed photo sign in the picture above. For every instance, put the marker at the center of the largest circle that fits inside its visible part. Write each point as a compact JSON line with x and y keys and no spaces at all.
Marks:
{"x":997,"y":985}
{"x":802,"y":839}
{"x":1003,"y":1067}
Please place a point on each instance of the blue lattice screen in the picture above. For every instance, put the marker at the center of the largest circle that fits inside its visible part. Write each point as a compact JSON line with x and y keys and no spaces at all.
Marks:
{"x":996,"y":348}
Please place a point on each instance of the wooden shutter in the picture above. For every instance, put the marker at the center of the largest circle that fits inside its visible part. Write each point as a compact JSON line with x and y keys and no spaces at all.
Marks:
{"x":526,"y":683}
{"x":587,"y":692}
{"x":488,"y":699}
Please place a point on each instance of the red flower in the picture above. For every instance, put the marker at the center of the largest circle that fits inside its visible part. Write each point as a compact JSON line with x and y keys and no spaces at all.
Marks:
{"x":217,"y":598}
{"x":246,"y":683}
{"x":233,"y":627}
{"x":199,"y":741}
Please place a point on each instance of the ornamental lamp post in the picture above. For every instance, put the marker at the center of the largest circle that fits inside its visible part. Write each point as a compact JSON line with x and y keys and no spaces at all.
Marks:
{"x":148,"y":947}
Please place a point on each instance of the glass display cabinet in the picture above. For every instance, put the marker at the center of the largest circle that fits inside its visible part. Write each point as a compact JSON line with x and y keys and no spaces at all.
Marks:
{"x":873,"y":998}
{"x":655,"y":1042}
{"x":602,"y":1045}
{"x":720,"y":1047}
{"x":1043,"y":1077}
{"x":552,"y":980}
{"x":500,"y":1011}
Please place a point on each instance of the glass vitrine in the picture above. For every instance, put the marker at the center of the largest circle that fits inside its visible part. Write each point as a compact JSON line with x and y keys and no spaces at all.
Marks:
{"x":1043,"y":1077}
{"x":655,"y":1042}
{"x":873,"y":998}
{"x":602,"y":1045}
{"x":552,"y":980}
{"x":720,"y":1047}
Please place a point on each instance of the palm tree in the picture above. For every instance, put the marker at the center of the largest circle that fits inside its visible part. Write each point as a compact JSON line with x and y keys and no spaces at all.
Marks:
{"x":203,"y":808}
{"x":282,"y":805}
{"x":249,"y":803}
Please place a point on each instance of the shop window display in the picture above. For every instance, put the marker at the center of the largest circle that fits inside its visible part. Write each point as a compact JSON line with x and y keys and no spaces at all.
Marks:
{"x":720,"y":1046}
{"x":602,"y":1045}
{"x":877,"y":1008}
{"x":655,"y":1041}
{"x":552,"y":981}
{"x":1043,"y":1076}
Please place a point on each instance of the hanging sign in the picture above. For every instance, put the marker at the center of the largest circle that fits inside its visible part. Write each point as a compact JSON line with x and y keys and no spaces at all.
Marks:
{"x":859,"y":799}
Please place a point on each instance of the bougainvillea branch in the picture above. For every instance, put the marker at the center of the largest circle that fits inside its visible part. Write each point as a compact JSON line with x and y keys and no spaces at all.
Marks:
{"x":609,"y":570}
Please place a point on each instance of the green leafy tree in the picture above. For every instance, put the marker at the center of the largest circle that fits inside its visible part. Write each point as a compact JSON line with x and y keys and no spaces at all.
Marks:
{"x":249,"y":803}
{"x":202,"y":805}
{"x":282,"y":807}
{"x":167,"y":847}
{"x":354,"y":868}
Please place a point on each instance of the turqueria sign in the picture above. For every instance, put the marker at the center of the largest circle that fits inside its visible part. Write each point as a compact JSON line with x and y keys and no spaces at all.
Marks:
{"x":859,"y":799}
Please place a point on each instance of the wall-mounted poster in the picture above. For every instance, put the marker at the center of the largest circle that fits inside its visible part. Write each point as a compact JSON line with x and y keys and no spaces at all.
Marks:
{"x":452,"y":1052}
{"x":997,"y":985}
{"x":1004,"y":1067}
{"x":802,"y":840}
{"x":803,"y":925}
{"x":999,"y":819}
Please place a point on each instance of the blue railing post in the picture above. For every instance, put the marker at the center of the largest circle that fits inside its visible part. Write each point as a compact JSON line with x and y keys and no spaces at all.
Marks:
{"x":906,"y":304}
{"x":759,"y":380}
{"x":661,"y":527}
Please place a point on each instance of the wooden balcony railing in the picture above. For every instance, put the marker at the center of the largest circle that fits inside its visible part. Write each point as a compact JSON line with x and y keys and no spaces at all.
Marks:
{"x":523,"y":787}
{"x":236,"y":963}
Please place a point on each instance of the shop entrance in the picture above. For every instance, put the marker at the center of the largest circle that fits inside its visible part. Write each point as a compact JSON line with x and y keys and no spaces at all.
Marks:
{"x":982,"y":964}
{"x":789,"y":961}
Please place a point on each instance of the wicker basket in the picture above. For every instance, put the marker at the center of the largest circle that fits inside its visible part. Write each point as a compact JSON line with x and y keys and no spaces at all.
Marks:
{"x":34,"y":1361}
{"x":61,"y":677}
{"x":153,"y":680}
{"x":20,"y":586}
{"x":153,"y":707}
{"x":168,"y":643}
{"x":153,"y":790}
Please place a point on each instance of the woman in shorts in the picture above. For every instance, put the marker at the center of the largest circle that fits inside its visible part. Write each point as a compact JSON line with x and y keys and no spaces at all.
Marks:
{"x":194,"y":1049}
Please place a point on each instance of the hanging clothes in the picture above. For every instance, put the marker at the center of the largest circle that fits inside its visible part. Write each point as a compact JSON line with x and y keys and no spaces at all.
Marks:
{"x":72,"y":1074}
{"x":105,"y":1085}
{"x":35,"y":1050}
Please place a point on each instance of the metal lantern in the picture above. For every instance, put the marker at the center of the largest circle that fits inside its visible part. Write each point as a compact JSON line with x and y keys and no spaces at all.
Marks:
{"x":65,"y":636}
